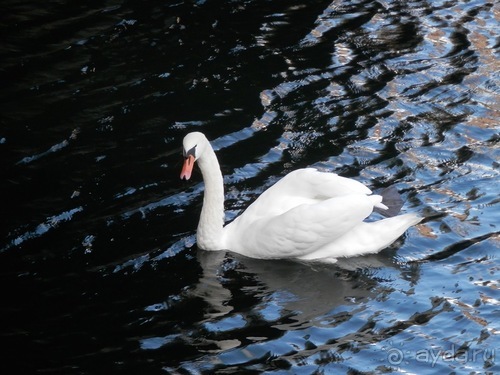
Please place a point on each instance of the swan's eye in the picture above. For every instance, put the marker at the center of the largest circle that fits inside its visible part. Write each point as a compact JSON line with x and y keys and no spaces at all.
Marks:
{"x":190,"y":152}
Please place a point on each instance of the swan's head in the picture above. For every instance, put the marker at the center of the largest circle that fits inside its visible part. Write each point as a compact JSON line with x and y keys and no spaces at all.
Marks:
{"x":193,"y":146}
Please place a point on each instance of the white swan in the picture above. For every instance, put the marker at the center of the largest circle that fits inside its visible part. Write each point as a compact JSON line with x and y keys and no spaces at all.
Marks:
{"x":308,"y":214}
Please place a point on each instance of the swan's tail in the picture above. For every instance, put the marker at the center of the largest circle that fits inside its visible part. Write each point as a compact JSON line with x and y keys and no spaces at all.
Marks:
{"x":366,"y":238}
{"x":375,"y":236}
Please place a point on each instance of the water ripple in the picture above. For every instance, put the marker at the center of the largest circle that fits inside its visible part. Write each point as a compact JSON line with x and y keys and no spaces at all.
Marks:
{"x":100,"y":233}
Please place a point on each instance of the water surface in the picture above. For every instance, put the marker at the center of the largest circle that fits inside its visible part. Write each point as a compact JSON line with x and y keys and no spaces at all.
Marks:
{"x":98,"y":262}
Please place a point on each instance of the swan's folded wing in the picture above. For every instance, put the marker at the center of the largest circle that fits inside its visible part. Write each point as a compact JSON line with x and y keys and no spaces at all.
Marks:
{"x":302,"y":186}
{"x":300,"y":230}
{"x":312,"y":183}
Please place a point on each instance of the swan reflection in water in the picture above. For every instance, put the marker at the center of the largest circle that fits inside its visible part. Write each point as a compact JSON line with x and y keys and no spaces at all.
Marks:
{"x":300,"y":291}
{"x":240,"y":293}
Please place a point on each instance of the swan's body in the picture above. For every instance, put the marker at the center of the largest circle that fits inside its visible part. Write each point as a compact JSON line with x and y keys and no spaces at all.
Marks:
{"x":308,"y":214}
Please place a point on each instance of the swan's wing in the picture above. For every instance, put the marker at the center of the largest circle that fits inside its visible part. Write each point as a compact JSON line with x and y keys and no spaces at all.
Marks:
{"x":312,"y":183}
{"x":302,"y":186}
{"x":301,"y":230}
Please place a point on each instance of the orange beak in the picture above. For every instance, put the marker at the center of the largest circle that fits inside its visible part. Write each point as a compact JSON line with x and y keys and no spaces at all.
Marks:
{"x":187,"y":167}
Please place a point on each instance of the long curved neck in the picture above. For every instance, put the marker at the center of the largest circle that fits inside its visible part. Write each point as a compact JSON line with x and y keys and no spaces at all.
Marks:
{"x":209,"y":234}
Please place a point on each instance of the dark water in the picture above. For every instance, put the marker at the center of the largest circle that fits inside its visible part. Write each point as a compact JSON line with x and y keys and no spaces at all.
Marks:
{"x":99,"y":272}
